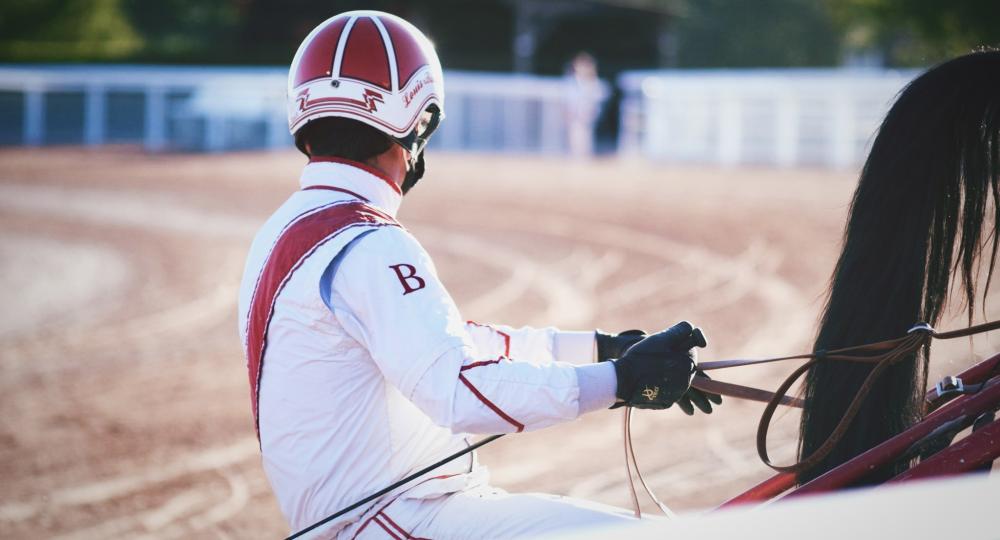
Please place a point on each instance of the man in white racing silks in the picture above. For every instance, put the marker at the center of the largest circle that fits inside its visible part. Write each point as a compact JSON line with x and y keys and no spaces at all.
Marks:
{"x":361,"y":369}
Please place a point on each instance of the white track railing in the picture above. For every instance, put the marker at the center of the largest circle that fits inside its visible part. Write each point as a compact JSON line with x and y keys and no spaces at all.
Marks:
{"x":793,"y":117}
{"x":729,"y":117}
{"x":216,"y":109}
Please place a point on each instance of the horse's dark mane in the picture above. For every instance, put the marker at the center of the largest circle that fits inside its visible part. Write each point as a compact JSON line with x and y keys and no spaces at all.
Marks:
{"x":918,"y":217}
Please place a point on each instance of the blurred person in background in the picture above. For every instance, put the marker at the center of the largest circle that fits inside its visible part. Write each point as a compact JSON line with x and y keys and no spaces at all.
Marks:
{"x":361,"y":369}
{"x":583,"y":104}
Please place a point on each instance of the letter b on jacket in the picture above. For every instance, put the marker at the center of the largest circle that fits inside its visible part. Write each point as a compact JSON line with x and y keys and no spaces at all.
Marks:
{"x":407,"y":275}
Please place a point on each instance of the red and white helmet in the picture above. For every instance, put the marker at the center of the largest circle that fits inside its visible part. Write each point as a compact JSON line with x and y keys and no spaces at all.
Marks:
{"x":372,"y":67}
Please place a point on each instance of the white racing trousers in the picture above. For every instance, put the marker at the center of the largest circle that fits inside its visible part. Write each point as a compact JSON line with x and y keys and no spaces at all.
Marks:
{"x":483,"y":512}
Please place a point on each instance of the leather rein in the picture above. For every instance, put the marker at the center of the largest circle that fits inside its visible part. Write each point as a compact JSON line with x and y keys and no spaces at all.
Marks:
{"x":881,"y":354}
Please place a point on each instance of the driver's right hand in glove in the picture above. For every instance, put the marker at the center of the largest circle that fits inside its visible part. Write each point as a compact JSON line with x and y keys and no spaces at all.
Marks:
{"x":656,"y":372}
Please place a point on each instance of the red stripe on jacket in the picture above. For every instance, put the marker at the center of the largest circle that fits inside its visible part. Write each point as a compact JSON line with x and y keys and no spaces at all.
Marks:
{"x":293,"y":246}
{"x":493,"y":407}
{"x":482,"y":363}
{"x":399,"y":529}
{"x":475,"y":391}
{"x":386,"y":528}
{"x":398,"y":495}
{"x":504,"y":335}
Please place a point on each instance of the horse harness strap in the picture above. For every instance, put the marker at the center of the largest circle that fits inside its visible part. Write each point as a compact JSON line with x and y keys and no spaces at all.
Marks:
{"x":882,"y":354}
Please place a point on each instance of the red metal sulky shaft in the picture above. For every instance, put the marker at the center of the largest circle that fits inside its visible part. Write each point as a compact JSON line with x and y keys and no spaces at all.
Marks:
{"x":849,"y":472}
{"x":972,"y":452}
{"x":768,"y":489}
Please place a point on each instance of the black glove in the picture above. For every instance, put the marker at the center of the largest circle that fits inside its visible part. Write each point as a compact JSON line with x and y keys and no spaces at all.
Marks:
{"x":699,"y":398}
{"x":610,"y":346}
{"x":656,"y":372}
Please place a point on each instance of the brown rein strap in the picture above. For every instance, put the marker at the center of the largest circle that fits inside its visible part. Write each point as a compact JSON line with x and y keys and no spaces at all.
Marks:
{"x":883,"y":354}
{"x":742,"y":392}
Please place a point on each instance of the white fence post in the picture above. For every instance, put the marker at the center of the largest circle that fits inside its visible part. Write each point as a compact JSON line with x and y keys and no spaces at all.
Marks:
{"x":34,"y":115}
{"x":450,"y":137}
{"x":215,"y":133}
{"x":780,"y":117}
{"x":94,"y":115}
{"x":842,"y":128}
{"x":786,"y":136}
{"x":516,"y":124}
{"x":277,"y":131}
{"x":730,"y":126}
{"x":156,"y":119}
{"x":480,"y":117}
{"x":654,"y":133}
{"x":551,"y":133}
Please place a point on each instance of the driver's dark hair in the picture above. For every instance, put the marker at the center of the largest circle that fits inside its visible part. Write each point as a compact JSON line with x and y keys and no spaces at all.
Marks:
{"x":342,"y":138}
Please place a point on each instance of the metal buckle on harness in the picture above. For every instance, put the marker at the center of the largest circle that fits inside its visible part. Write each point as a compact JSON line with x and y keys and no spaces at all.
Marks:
{"x":949,"y":386}
{"x":921,"y":327}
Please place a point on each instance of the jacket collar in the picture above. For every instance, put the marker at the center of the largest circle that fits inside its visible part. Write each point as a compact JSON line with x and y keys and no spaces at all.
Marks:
{"x":354,"y":177}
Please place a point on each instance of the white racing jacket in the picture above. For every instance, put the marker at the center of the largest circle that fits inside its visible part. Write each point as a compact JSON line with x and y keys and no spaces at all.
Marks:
{"x":362,"y":371}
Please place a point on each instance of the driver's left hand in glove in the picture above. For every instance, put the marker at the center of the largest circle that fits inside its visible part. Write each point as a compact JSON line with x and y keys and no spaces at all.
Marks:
{"x":612,"y":346}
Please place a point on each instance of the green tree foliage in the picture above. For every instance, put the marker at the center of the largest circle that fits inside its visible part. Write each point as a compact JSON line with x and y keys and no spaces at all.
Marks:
{"x":622,"y":34}
{"x":771,"y":33}
{"x":66,"y":30}
{"x":189,"y":31}
{"x":917,"y":32}
{"x":271,"y":30}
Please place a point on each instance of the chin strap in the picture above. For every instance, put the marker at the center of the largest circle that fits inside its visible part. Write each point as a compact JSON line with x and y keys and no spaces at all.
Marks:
{"x":413,"y":174}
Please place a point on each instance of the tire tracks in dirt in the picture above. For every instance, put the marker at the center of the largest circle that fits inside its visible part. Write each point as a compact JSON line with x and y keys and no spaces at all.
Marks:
{"x":138,"y":214}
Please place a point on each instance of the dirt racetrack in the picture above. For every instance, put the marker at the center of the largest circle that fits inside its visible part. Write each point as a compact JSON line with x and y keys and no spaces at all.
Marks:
{"x":123,"y":395}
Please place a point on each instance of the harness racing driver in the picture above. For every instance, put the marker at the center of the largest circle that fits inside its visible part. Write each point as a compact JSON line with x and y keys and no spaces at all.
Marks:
{"x":361,"y":369}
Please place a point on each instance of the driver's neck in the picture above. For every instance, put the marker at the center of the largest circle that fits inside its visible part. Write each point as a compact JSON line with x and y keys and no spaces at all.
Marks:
{"x":392,"y":163}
